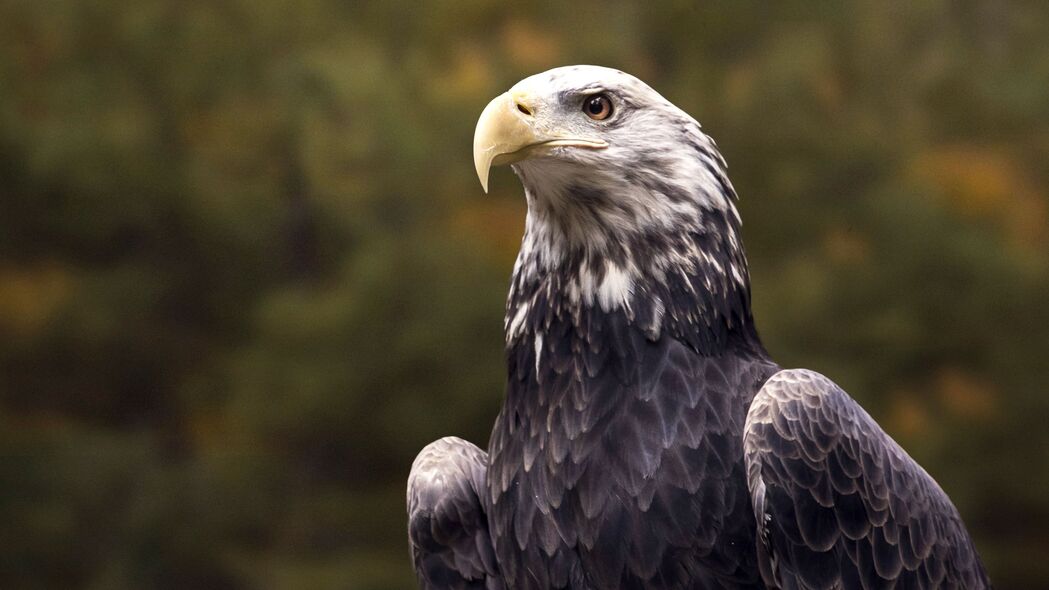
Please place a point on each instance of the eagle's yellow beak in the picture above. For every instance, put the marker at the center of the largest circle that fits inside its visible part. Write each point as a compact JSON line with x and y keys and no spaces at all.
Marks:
{"x":510,"y":130}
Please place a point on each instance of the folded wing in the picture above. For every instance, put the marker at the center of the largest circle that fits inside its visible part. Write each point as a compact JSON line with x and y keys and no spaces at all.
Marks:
{"x":447,"y":523}
{"x":839,"y":504}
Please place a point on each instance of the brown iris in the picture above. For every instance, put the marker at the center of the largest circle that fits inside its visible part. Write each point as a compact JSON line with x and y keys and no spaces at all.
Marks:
{"x":598,"y":107}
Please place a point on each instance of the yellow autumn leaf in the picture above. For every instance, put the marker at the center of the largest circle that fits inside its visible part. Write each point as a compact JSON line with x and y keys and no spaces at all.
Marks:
{"x":498,"y":222}
{"x":845,"y":246}
{"x":989,"y":183}
{"x":528,"y":46}
{"x":908,"y":416}
{"x":29,"y":297}
{"x":965,"y":394}
{"x":467,"y":75}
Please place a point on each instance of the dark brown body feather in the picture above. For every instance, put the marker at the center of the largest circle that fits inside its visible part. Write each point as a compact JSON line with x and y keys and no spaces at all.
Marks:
{"x":616,"y":462}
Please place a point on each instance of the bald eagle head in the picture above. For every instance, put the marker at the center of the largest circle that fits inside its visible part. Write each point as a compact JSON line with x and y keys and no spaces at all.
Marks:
{"x":630,"y":211}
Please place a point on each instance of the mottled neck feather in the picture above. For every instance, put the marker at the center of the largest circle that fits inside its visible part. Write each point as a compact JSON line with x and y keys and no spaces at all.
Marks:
{"x":638,"y":246}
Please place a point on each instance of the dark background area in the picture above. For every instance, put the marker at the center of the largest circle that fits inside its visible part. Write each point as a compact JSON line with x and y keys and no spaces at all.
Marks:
{"x":247,"y":272}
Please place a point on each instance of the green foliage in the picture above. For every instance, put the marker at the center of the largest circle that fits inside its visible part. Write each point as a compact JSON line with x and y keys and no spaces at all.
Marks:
{"x":246,"y":271}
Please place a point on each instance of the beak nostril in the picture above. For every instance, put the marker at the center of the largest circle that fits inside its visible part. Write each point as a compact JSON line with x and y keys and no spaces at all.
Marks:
{"x":524,"y":109}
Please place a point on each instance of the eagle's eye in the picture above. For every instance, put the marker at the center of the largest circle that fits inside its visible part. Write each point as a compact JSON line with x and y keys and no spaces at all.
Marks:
{"x":598,"y":107}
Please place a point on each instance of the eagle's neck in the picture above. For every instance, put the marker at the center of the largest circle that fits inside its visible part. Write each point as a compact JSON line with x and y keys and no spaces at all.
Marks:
{"x":688,"y":281}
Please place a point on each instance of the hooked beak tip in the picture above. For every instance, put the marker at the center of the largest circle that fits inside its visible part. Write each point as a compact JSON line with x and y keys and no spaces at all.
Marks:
{"x":500,"y":130}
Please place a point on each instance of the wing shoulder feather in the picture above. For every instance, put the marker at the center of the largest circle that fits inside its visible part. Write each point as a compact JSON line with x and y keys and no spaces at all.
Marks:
{"x":839,"y":504}
{"x":447,"y":520}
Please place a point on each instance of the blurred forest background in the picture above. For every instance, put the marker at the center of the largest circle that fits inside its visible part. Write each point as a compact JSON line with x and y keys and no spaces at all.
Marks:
{"x":247,"y":272}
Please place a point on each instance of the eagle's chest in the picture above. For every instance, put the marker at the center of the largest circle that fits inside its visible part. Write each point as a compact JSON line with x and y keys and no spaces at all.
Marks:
{"x":615,"y":469}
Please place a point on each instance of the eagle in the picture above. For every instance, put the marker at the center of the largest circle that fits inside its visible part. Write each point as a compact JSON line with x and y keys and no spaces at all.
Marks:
{"x":647,"y":439}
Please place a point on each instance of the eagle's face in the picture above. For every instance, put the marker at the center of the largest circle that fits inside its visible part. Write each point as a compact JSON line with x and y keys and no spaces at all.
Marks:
{"x":601,"y":155}
{"x":629,"y":207}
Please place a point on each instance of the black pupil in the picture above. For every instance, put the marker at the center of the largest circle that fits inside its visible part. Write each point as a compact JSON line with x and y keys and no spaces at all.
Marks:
{"x":596,"y":105}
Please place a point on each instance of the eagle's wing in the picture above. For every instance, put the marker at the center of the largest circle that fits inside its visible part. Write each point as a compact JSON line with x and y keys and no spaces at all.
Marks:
{"x":447,"y":523}
{"x":839,"y":504}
